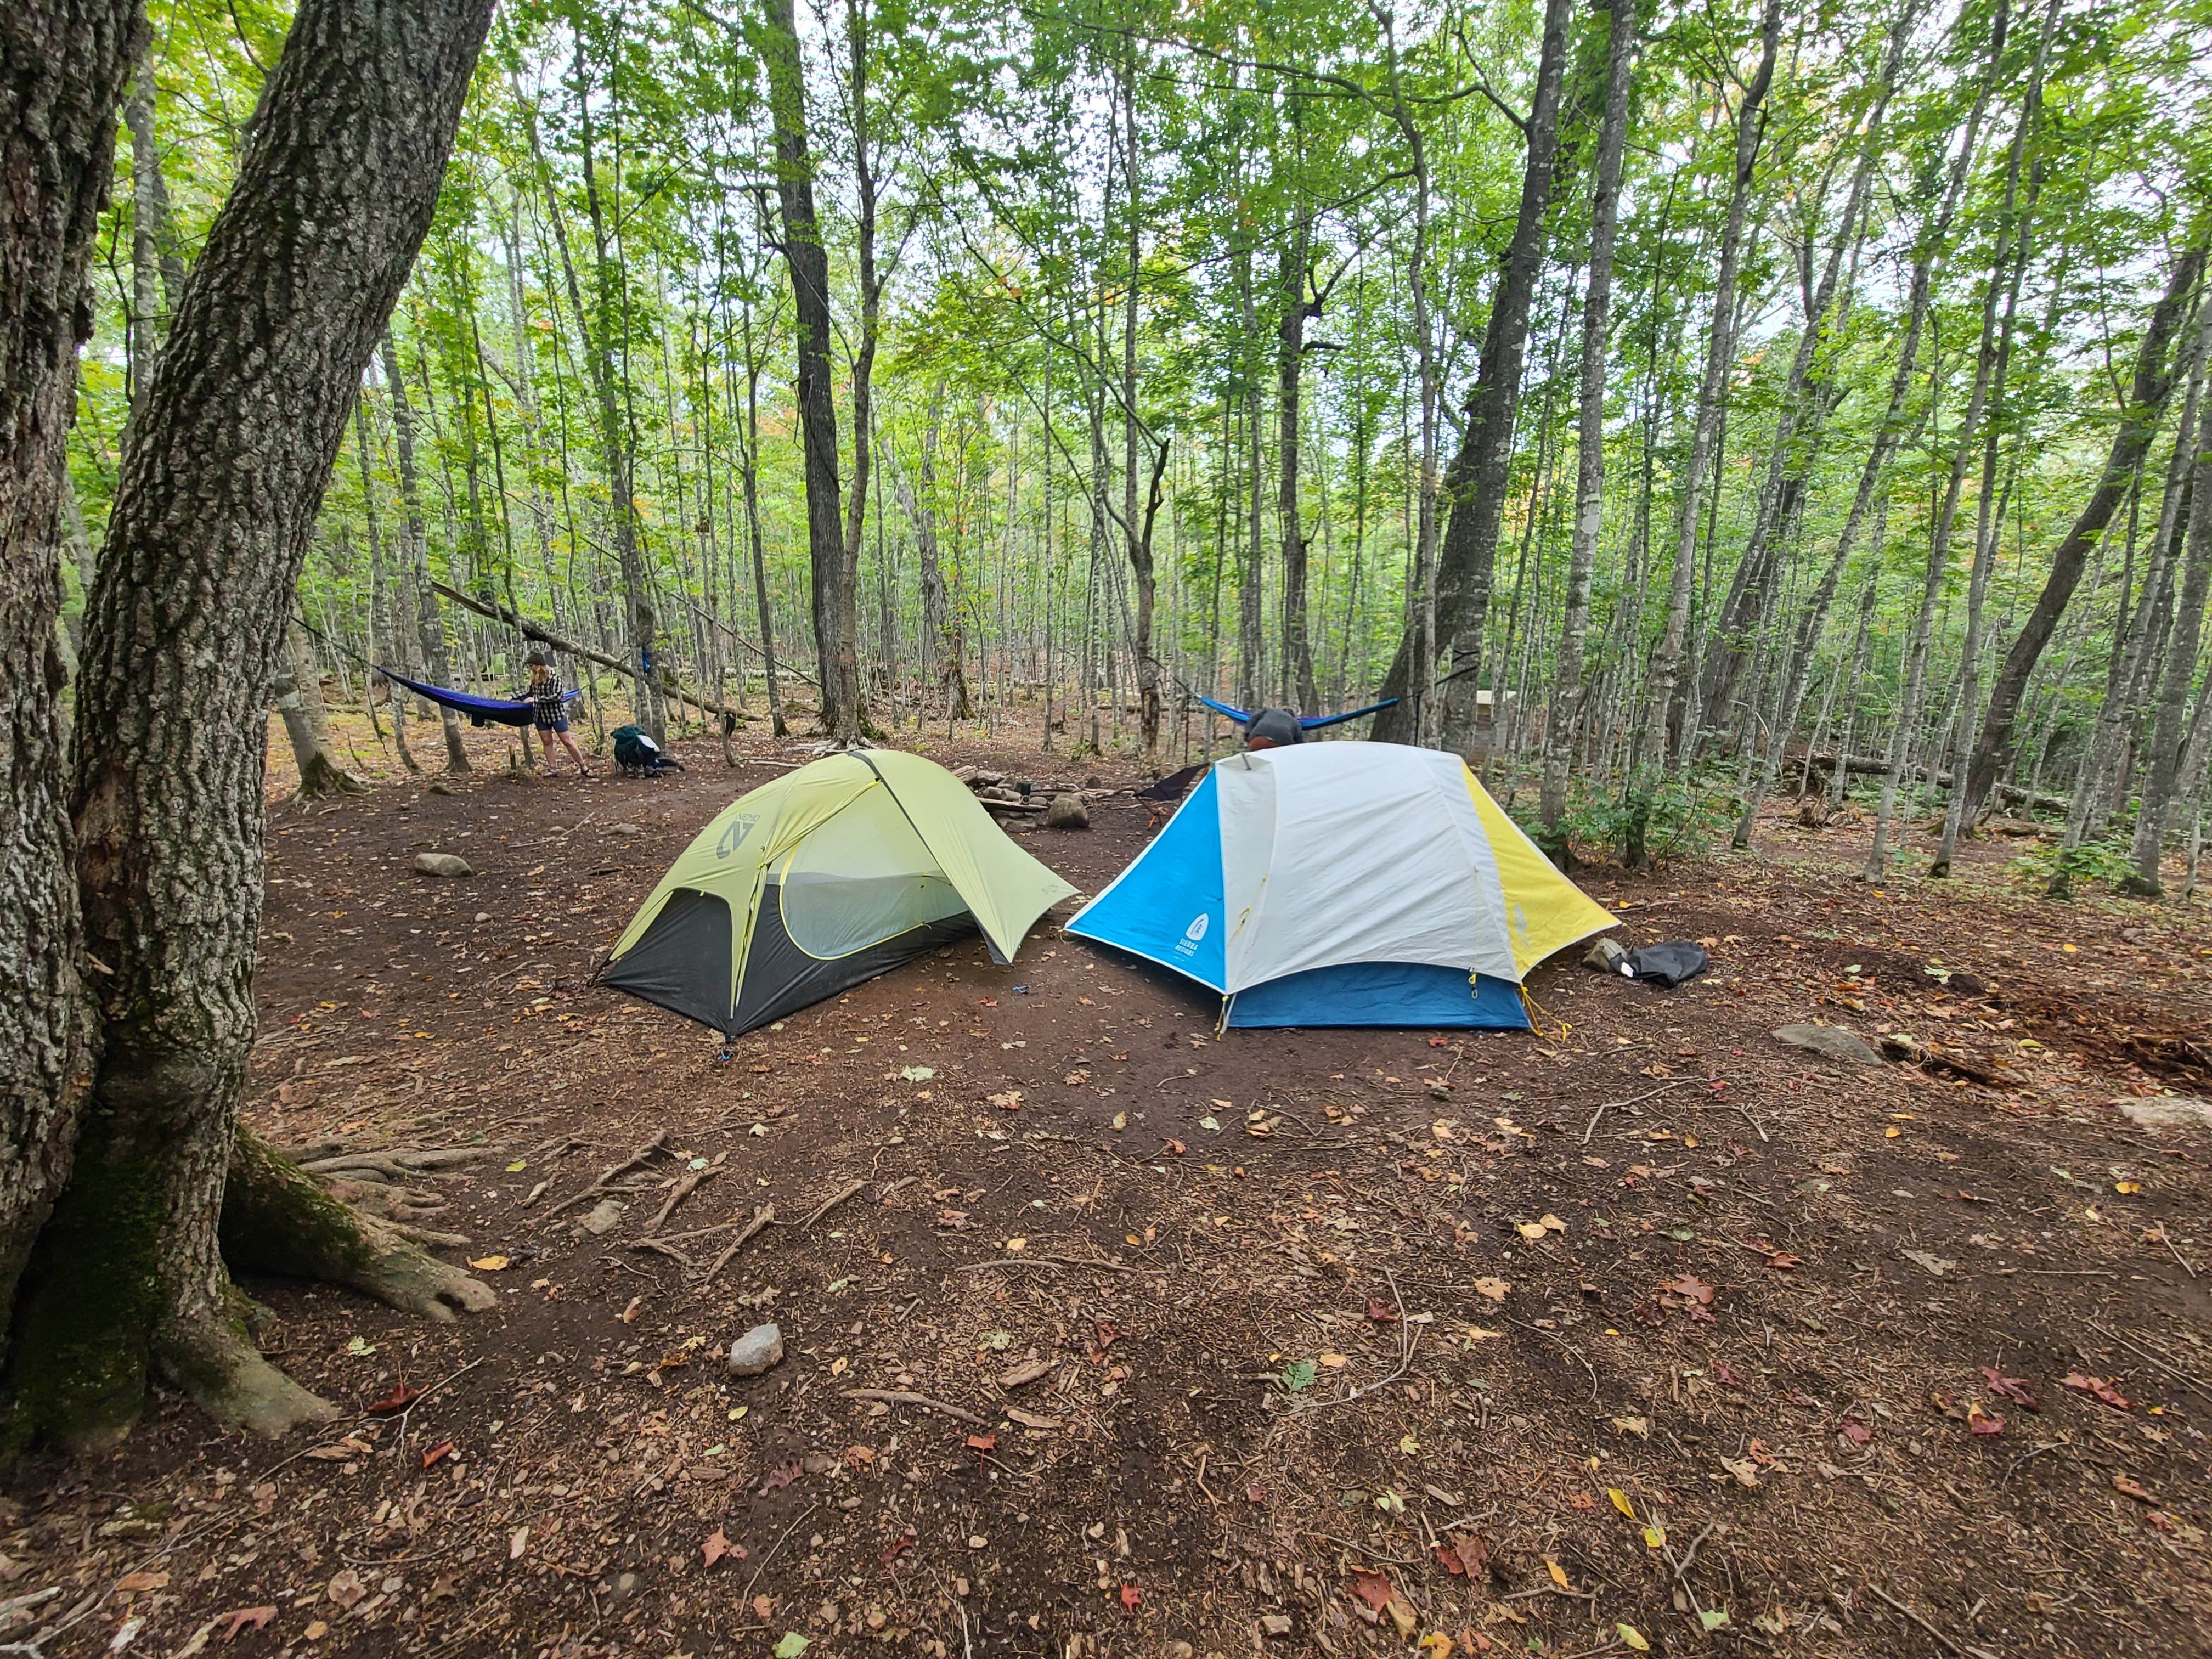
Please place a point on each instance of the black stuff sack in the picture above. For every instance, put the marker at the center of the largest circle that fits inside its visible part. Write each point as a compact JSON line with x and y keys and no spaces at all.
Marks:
{"x":1667,"y":965}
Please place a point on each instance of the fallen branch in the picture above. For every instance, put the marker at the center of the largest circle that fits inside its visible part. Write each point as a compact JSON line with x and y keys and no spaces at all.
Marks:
{"x":636,"y":1159}
{"x":1613,"y":1105}
{"x":1949,"y":1645}
{"x":762,"y":1217}
{"x":900,"y":1397}
{"x":689,"y":1184}
{"x":832,"y":1201}
{"x":2142,"y":1353}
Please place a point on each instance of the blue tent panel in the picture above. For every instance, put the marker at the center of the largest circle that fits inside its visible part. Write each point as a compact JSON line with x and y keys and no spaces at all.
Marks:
{"x":1167,"y":908}
{"x":1382,"y":994}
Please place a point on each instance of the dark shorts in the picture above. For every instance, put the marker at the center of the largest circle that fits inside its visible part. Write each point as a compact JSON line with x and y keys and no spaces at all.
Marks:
{"x":558,"y":723}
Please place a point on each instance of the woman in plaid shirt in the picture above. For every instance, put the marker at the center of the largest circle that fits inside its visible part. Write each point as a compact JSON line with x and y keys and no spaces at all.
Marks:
{"x":550,"y":711}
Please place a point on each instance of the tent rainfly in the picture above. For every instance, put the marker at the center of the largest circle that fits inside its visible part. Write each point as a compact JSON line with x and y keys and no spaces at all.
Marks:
{"x":832,"y":874}
{"x":1346,"y":884}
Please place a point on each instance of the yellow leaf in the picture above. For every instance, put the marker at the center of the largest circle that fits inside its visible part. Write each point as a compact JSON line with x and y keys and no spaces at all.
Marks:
{"x":1620,"y":1502}
{"x":2127,"y":1186}
{"x":1436,"y":1645}
{"x":1634,"y":1637}
{"x":1559,"y":1573}
{"x":488,"y":1264}
{"x":1495,"y":1288}
{"x":1407,"y":1444}
{"x":1335,"y":1362}
{"x":1892,"y":1133}
{"x":1551,"y":1223}
{"x":1531,"y":1231}
{"x":1656,"y":1537}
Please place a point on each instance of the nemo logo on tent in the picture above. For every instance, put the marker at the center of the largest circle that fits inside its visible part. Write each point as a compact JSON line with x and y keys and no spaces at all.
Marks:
{"x":733,"y":836}
{"x":1192,"y":934}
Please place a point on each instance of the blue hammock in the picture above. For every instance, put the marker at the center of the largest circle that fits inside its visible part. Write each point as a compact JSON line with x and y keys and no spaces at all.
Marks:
{"x":1308,"y":722}
{"x":481,"y":711}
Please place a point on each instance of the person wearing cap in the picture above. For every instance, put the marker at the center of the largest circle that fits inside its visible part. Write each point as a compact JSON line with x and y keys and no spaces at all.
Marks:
{"x":550,"y":710}
{"x":1274,"y":728}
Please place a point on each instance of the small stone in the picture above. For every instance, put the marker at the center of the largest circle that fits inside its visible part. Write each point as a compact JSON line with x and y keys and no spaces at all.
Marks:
{"x":2169,"y":1112}
{"x":484,"y":915}
{"x":756,"y":1351}
{"x":1833,"y":1041}
{"x":442,"y":864}
{"x":1066,"y":812}
{"x":1606,"y":955}
{"x":626,"y":829}
{"x":1275,"y":1624}
{"x":605,"y":1216}
{"x":439,"y":786}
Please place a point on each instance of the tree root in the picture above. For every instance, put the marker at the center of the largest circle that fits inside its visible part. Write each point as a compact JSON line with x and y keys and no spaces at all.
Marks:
{"x":214,"y":1361}
{"x":276,"y":1218}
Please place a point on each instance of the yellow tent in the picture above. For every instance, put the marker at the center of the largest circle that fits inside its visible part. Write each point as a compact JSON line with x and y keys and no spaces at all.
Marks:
{"x":830,"y":875}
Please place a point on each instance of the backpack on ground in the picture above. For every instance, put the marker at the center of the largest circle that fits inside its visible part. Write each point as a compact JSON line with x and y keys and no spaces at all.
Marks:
{"x":637,"y":755}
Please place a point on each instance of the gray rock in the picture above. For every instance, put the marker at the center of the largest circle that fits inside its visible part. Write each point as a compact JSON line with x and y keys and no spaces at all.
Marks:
{"x":442,"y":864}
{"x":1833,"y":1041}
{"x":1606,"y":955}
{"x":756,"y":1351}
{"x":439,"y":786}
{"x":605,"y":1216}
{"x":625,"y":829}
{"x":1066,"y":812}
{"x":2169,"y":1112}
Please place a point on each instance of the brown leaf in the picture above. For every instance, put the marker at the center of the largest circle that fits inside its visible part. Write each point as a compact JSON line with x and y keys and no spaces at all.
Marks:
{"x":2097,"y":1386}
{"x":398,"y":1400}
{"x":137,"y":1583}
{"x":891,"y":1551}
{"x":1981,"y":1422}
{"x":346,"y":1589}
{"x":718,"y":1545}
{"x":2129,"y":1487}
{"x":443,"y":1449}
{"x":1028,"y":1371}
{"x":983,"y":1443}
{"x":1690,"y":1285}
{"x":782,"y":1476}
{"x":1130,"y":1596}
{"x":1372,"y":1587}
{"x":240,"y":1617}
{"x":1031,"y":1421}
{"x":2014,"y":1389}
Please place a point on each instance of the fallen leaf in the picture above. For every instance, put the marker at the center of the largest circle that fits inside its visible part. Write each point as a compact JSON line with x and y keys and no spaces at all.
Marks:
{"x":1784,"y":1260}
{"x":1745,"y":1471}
{"x":2097,"y":1386}
{"x":1531,"y":1231}
{"x":1981,"y":1422}
{"x":2128,"y":1485}
{"x":983,"y":1443}
{"x":791,"y":1646}
{"x":1712,"y":1618}
{"x":1620,"y":1502}
{"x":488,"y":1264}
{"x":2014,"y":1389}
{"x":1633,"y":1638}
{"x":1333,"y":1362}
{"x":1690,"y":1285}
{"x":518,"y":1543}
{"x":398,"y":1400}
{"x":782,"y":1476}
{"x":1372,"y":1587}
{"x":898,"y":1547}
{"x":137,"y":1583}
{"x":1638,"y":1427}
{"x":1379,"y":1314}
{"x":438,"y":1453}
{"x":1131,"y":1595}
{"x":1403,"y":1616}
{"x":239,"y":1618}
{"x":1028,"y":1371}
{"x":1435,"y":1644}
{"x":919,"y":1073}
{"x":1494,"y":1289}
{"x":345,"y":1588}
{"x":718,"y":1545}
{"x":1031,"y":1421}
{"x":1559,"y":1573}
{"x":1656,"y":1537}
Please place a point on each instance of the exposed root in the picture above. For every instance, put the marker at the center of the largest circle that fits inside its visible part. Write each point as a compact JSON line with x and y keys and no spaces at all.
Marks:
{"x":277,"y":1219}
{"x":215,"y":1363}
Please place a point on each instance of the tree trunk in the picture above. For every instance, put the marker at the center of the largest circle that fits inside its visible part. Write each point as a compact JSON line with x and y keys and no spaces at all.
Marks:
{"x":941,"y":647}
{"x":63,"y":66}
{"x":1589,"y":436}
{"x":1476,"y":483}
{"x":2138,"y":422}
{"x":1650,"y":749}
{"x":384,"y":634}
{"x":1297,"y":678}
{"x":157,"y":269}
{"x":836,"y":598}
{"x":298,"y":695}
{"x":415,"y":554}
{"x":2169,"y":729}
{"x":1137,"y":537}
{"x":221,"y":482}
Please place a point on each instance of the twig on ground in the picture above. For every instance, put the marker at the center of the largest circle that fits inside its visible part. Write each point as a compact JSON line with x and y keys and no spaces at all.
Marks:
{"x":1612,"y":1105}
{"x":1408,"y":1339}
{"x":1041,"y":1259}
{"x":2166,"y":1237}
{"x":1949,"y":1645}
{"x":1568,"y":1345}
{"x":762,"y":1217}
{"x":832,"y":1201}
{"x":689,"y":1184}
{"x":2142,"y":1353}
{"x":746,"y":1593}
{"x":643,"y":1155}
{"x":901,"y":1397}
{"x":660,"y":1247}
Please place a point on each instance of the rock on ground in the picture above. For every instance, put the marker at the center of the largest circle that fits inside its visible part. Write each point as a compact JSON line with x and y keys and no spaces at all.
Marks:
{"x":442,"y":864}
{"x":756,"y":1351}
{"x":1066,"y":812}
{"x":602,"y":1219}
{"x":1833,"y":1041}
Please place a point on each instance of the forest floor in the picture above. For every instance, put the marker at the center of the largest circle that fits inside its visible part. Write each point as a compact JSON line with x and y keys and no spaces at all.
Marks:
{"x":1651,"y":1333}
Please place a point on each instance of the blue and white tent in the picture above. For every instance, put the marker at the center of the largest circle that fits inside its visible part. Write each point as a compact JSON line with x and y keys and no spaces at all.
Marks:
{"x":1346,"y":884}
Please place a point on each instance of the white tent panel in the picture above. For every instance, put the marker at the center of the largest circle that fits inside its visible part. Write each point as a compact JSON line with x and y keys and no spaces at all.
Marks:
{"x":1346,"y":852}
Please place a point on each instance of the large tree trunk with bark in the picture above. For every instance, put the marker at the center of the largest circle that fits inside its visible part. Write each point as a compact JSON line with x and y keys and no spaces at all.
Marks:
{"x":221,"y":483}
{"x":415,"y":553}
{"x":1475,"y":483}
{"x":1298,"y":691}
{"x":298,"y":699}
{"x":1589,"y":436}
{"x":836,"y":589}
{"x":2147,"y":392}
{"x":62,"y":65}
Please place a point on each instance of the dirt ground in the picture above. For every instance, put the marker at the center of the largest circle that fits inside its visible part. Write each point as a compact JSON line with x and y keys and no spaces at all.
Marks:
{"x":1639,"y":1332}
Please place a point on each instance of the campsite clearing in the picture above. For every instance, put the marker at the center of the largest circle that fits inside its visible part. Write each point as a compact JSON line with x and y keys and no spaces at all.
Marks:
{"x":1271,"y":1334}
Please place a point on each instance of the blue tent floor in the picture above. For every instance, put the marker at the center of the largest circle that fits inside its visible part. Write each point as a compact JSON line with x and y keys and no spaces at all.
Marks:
{"x":1387,"y":994}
